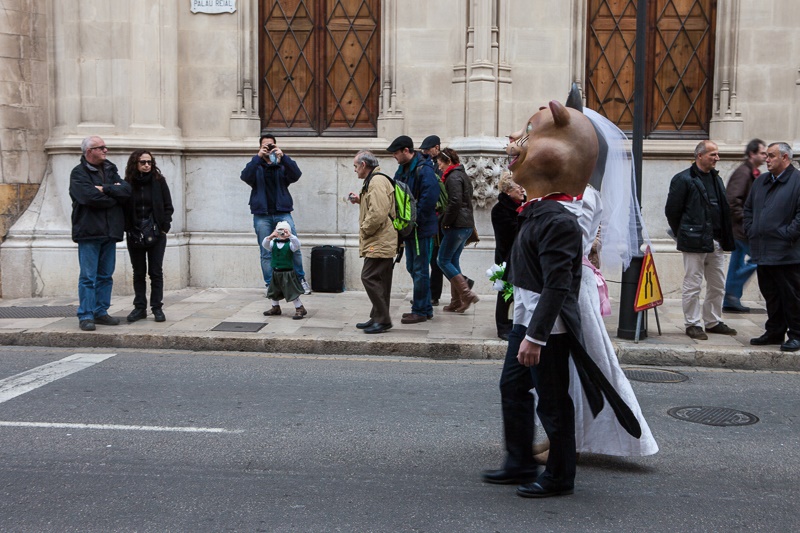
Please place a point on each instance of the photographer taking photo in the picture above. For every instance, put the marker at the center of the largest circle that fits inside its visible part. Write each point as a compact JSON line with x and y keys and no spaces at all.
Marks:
{"x":269,"y":174}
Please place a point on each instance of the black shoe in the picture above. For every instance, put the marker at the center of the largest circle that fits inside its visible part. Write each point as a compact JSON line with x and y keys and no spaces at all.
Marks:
{"x":87,"y":325}
{"x":505,"y":477}
{"x":470,"y":282}
{"x":434,"y":302}
{"x":378,"y":328}
{"x":696,"y":332}
{"x":735,"y":308}
{"x":137,"y":314}
{"x":767,"y":338}
{"x":106,"y":320}
{"x":721,"y":328}
{"x":365,"y":325}
{"x":504,"y":336}
{"x":535,"y":490}
{"x":158,"y":314}
{"x":792,"y":345}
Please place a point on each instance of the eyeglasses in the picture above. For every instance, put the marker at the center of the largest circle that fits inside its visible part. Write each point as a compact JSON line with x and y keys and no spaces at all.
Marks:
{"x":145,"y":161}
{"x":104,"y":147}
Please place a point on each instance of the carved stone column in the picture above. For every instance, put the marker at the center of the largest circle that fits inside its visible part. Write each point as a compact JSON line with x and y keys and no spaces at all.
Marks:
{"x":245,"y":121}
{"x":726,"y":120}
{"x":390,"y":117}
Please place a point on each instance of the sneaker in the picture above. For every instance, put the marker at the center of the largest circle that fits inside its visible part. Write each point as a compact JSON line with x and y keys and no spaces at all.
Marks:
{"x":106,"y":320}
{"x":299,"y":313}
{"x":275,"y":311}
{"x":306,"y":286}
{"x":87,"y":325}
{"x":696,"y":332}
{"x":721,"y":328}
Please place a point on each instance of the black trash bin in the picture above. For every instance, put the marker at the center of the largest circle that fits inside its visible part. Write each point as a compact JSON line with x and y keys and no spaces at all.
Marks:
{"x":327,"y":269}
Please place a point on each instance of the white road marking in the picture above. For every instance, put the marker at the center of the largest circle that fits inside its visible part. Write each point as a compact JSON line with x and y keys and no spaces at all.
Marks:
{"x":117,"y":427}
{"x":34,"y":378}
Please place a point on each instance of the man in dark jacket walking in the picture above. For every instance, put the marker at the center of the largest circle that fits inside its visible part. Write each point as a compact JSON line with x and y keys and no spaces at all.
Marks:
{"x":418,"y":174}
{"x":772,"y":223}
{"x":98,"y":224}
{"x":699,"y":217}
{"x":740,"y":268}
{"x":269,"y":174}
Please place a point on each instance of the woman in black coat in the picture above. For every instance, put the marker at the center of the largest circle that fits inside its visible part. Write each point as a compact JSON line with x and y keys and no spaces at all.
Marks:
{"x":150,"y":205}
{"x":504,"y":222}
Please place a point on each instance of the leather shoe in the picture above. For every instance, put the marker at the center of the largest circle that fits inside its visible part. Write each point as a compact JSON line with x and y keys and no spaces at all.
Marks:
{"x":106,"y":320}
{"x":378,"y":328}
{"x":365,"y":325}
{"x":158,"y":314}
{"x":792,"y":345}
{"x":767,"y":338}
{"x":413,"y":319}
{"x":535,"y":490}
{"x":506,"y":477}
{"x":137,"y":314}
{"x":87,"y":325}
{"x":721,"y":328}
{"x":737,"y":308}
{"x":406,"y":315}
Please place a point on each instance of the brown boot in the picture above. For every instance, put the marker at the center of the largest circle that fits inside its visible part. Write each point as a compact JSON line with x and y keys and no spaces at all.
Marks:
{"x":299,"y":313}
{"x":455,"y":302}
{"x":466,"y":296}
{"x":275,"y":311}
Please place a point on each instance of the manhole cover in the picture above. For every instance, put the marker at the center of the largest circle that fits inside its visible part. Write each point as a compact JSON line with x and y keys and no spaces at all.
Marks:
{"x":713,"y":416}
{"x":243,"y":327}
{"x":651,"y":375}
{"x":39,"y":311}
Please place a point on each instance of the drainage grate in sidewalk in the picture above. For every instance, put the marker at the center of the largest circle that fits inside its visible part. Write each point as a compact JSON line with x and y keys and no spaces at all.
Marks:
{"x":651,"y":375}
{"x":241,"y":327}
{"x":713,"y":416}
{"x":39,"y":311}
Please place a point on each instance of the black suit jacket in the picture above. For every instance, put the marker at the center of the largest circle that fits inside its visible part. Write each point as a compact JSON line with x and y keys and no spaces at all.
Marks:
{"x":546,"y":258}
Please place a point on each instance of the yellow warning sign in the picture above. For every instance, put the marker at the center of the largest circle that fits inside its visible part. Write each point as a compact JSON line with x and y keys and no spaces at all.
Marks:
{"x":648,"y":293}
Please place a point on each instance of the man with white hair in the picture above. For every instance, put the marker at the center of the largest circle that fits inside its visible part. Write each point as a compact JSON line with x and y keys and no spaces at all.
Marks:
{"x":772,"y":223}
{"x":98,"y":224}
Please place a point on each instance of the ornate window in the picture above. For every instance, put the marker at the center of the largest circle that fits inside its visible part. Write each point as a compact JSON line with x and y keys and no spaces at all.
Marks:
{"x":320,"y":66}
{"x":680,"y":60}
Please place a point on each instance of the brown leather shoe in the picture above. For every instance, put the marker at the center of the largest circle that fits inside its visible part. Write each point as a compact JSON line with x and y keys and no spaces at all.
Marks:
{"x":299,"y":313}
{"x":455,"y":303}
{"x":275,"y":311}
{"x":413,"y":319}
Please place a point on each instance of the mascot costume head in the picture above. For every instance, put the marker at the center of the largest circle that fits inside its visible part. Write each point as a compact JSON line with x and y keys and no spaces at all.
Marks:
{"x":555,"y":152}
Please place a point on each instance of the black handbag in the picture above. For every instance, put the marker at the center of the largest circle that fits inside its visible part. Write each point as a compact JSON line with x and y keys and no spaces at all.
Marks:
{"x":145,"y":233}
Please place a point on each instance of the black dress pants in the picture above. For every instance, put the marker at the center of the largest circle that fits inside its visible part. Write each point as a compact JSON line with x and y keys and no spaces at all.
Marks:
{"x":780,"y":285}
{"x":556,"y":412}
{"x":501,"y":315}
{"x":148,"y":261}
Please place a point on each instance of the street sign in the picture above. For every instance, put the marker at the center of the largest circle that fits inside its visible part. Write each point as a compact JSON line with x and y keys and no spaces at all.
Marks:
{"x":648,"y":292}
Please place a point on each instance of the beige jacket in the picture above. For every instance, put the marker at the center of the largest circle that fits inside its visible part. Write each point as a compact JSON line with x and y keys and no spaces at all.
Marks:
{"x":377,"y":236}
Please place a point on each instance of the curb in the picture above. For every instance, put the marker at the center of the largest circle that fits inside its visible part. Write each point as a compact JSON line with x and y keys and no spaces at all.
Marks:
{"x":446,"y":349}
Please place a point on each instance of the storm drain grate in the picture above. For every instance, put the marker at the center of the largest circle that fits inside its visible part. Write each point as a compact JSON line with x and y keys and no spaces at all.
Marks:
{"x":713,"y":416}
{"x":654,"y":375}
{"x":242,"y":327}
{"x":39,"y":311}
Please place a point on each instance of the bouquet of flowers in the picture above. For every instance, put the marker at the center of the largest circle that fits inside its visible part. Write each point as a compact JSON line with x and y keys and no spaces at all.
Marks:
{"x":495,"y":275}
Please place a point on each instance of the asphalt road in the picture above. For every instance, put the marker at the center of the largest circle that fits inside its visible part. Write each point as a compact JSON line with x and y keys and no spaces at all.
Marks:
{"x":176,"y":441}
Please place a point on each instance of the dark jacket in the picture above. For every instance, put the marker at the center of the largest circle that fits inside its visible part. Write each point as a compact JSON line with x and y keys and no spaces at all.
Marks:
{"x":263,"y":177}
{"x":418,"y":174}
{"x":546,"y":258}
{"x":151,"y":196}
{"x":504,"y":222}
{"x":96,"y":214}
{"x":458,"y":213}
{"x":688,"y":212}
{"x":772,"y":219}
{"x":736,"y":191}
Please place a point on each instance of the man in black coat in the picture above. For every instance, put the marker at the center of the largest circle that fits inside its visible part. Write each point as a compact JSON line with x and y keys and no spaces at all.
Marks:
{"x":699,"y":217}
{"x":772,"y":223}
{"x":98,"y":224}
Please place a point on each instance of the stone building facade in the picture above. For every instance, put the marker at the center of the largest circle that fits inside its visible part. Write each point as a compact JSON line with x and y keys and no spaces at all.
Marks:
{"x":196,"y":89}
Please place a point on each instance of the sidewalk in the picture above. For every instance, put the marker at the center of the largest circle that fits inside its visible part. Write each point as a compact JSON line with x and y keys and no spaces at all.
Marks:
{"x":329,"y":329}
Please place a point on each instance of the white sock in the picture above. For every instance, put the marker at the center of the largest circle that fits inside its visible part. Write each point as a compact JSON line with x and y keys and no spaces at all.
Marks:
{"x":275,"y":303}
{"x":298,"y":303}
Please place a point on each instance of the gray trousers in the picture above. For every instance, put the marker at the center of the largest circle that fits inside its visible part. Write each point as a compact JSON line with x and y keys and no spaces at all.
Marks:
{"x":376,"y":275}
{"x":711,"y":267}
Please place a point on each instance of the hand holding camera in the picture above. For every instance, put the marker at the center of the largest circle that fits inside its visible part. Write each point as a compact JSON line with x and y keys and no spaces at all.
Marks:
{"x":270,"y":153}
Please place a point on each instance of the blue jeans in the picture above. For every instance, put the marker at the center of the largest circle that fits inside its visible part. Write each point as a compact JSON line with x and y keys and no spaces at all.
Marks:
{"x":264,"y":226}
{"x":418,"y":265}
{"x":450,"y":250}
{"x":740,"y":269}
{"x":97,"y":259}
